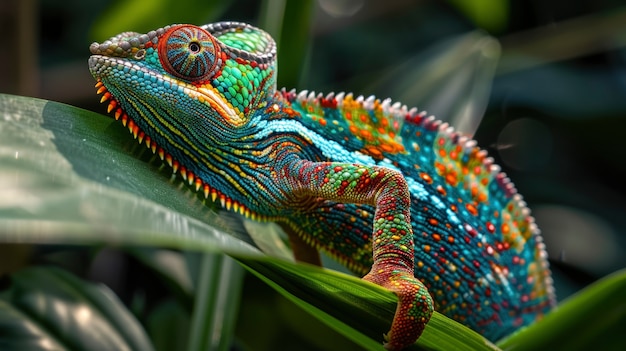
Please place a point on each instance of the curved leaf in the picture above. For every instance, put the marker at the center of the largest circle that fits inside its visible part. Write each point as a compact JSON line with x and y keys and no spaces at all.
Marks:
{"x":66,"y":177}
{"x":357,"y":309}
{"x":49,"y":309}
{"x":594,"y":317}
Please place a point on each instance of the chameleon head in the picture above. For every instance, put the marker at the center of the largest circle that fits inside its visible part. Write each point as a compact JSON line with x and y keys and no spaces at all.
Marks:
{"x":185,"y":75}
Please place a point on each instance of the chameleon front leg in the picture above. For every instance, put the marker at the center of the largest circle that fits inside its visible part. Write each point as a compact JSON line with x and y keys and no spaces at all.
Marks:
{"x":392,"y":237}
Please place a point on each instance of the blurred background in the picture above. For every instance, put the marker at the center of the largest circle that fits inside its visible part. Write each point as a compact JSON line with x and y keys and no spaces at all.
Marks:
{"x":540,"y":84}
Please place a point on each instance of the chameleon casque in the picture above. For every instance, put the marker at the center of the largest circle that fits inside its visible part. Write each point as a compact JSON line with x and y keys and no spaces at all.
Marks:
{"x":390,"y":192}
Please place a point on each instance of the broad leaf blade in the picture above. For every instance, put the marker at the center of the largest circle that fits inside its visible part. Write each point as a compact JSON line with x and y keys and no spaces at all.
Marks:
{"x":359,"y":310}
{"x":49,"y":309}
{"x":66,"y":177}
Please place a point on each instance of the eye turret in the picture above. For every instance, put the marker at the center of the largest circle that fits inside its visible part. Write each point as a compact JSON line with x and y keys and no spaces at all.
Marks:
{"x":189,"y":52}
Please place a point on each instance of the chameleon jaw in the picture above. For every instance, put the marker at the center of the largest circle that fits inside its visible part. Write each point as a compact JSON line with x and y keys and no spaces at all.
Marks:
{"x":98,"y":64}
{"x":188,"y":176}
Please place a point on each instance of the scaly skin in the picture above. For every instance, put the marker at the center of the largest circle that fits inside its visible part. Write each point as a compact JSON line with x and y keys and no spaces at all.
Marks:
{"x":397,"y":196}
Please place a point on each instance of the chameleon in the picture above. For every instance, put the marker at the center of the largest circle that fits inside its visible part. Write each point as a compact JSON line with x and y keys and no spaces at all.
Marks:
{"x":394,"y":194}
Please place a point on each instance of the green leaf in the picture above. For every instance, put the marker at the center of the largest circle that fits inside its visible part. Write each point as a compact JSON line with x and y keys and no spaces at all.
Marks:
{"x":491,"y":15}
{"x":146,"y":15}
{"x":593,"y":318}
{"x":290,"y":23}
{"x":215,"y":309}
{"x":168,"y":326}
{"x":49,"y":309}
{"x":69,"y":177}
{"x":355,"y":308}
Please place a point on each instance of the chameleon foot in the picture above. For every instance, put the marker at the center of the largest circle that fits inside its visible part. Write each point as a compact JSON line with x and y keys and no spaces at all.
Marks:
{"x":415,"y":305}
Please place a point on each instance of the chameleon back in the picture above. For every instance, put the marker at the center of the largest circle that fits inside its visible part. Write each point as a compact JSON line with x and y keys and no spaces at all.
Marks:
{"x":477,"y":249}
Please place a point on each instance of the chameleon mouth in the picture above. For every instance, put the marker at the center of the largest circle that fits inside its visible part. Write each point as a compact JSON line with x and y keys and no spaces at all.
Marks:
{"x":188,"y":176}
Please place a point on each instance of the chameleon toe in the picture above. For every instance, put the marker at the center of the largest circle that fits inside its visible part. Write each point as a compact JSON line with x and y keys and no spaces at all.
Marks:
{"x":414,"y":309}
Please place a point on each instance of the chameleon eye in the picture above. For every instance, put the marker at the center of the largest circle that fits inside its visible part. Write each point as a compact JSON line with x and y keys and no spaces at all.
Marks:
{"x":194,"y":47}
{"x":189,"y":52}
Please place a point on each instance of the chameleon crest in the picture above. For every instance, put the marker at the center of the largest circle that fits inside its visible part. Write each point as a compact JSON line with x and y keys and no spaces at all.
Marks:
{"x":394,"y":194}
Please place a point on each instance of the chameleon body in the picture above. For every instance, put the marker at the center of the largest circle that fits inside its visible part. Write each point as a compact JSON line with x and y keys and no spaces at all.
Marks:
{"x":392,"y":193}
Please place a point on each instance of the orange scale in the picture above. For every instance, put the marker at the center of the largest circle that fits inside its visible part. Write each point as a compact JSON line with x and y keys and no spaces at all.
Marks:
{"x":505,"y":228}
{"x":451,"y":178}
{"x":426,"y":177}
{"x":472,"y":209}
